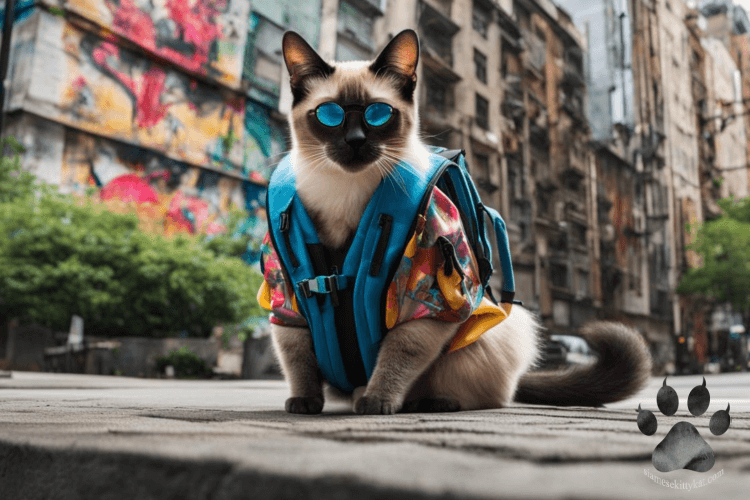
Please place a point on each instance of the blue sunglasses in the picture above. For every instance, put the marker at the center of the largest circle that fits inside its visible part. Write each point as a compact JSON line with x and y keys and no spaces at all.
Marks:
{"x":331,"y":114}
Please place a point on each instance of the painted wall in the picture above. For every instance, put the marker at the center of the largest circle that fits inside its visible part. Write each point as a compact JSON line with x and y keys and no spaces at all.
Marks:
{"x":84,"y":81}
{"x":202,"y":36}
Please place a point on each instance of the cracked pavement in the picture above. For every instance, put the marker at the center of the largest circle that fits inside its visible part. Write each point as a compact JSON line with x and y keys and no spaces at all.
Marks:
{"x":79,"y":436}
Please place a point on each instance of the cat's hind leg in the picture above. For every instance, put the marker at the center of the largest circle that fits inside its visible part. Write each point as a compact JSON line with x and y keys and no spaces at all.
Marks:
{"x":484,"y":374}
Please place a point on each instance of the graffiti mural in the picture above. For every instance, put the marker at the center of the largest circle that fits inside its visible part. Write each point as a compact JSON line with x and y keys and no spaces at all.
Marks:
{"x":171,"y":196}
{"x":92,"y":84}
{"x":202,"y":36}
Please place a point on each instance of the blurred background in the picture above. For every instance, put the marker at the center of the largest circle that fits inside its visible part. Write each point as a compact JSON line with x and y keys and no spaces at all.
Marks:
{"x":139,"y":135}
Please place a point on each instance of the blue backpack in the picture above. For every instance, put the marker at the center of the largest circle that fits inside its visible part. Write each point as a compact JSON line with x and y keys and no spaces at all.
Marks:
{"x":342,"y":294}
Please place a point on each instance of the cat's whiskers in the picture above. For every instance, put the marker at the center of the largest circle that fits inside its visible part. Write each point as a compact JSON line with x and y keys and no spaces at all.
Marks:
{"x":387,"y":165}
{"x":389,"y":173}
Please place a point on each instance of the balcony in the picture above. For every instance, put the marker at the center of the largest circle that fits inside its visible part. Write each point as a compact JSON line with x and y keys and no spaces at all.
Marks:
{"x":369,"y":7}
{"x":436,"y":42}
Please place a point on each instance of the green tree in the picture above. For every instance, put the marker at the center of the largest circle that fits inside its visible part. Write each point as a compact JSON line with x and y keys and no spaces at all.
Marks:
{"x":62,"y":255}
{"x":14,"y":182}
{"x":724,"y":246}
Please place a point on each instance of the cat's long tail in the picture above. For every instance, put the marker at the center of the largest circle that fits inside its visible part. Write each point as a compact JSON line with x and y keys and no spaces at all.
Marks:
{"x":623,"y":368}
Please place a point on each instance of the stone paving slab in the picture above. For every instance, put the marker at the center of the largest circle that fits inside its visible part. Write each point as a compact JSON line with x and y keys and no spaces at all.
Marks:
{"x":76,"y":436}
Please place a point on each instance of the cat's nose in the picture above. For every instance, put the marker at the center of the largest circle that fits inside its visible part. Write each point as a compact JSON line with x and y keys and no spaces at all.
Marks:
{"x":355,"y":136}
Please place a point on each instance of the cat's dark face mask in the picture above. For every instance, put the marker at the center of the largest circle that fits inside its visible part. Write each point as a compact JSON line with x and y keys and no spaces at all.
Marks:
{"x":354,"y":132}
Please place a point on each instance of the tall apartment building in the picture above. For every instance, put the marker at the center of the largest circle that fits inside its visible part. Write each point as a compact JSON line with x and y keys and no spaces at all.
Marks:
{"x":727,"y":37}
{"x":504,"y":81}
{"x":664,"y":91}
{"x":628,"y":117}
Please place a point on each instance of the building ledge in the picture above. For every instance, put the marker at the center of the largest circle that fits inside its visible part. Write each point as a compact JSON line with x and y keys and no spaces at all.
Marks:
{"x":432,"y":20}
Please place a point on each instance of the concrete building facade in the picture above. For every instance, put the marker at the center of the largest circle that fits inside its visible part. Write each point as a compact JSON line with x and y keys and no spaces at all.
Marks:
{"x":504,"y":80}
{"x":726,"y":110}
{"x":626,"y":110}
{"x":729,"y":24}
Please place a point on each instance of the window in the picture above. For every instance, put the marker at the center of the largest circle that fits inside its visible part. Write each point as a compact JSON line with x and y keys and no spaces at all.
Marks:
{"x":480,"y":66}
{"x":481,"y":17}
{"x":582,"y":289}
{"x":542,"y":203}
{"x":481,"y":112}
{"x":575,"y":60}
{"x":579,"y":234}
{"x":559,"y":275}
{"x":481,"y":168}
{"x":437,"y":94}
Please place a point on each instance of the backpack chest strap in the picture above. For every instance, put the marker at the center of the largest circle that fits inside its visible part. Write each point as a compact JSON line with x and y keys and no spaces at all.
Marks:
{"x":325,"y":285}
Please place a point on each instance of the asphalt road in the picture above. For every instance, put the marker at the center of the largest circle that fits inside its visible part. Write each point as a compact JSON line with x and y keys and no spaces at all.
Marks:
{"x":94,"y":437}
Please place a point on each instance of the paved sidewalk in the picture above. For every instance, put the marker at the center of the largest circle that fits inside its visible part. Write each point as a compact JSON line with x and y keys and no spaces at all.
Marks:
{"x":77,"y":436}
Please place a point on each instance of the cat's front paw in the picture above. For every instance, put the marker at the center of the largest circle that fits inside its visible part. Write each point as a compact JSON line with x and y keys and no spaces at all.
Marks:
{"x":372,"y":405}
{"x":308,"y":405}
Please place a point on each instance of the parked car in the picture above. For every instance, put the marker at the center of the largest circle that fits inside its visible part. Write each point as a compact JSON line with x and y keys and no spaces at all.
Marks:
{"x":578,"y":349}
{"x":554,"y":355}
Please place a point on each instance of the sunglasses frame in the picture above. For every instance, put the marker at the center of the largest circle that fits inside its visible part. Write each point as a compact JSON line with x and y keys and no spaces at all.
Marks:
{"x":353,"y":108}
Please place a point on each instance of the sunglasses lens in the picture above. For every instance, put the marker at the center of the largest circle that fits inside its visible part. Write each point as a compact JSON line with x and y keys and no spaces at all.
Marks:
{"x":378,"y":114}
{"x":330,"y":114}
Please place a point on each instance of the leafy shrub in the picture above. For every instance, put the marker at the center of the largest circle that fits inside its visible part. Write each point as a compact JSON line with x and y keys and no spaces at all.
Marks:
{"x":186,"y":364}
{"x":14,"y":182}
{"x":61,"y":255}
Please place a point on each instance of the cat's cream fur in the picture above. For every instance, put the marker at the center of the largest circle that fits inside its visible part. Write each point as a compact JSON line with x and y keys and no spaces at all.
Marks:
{"x":413,"y":371}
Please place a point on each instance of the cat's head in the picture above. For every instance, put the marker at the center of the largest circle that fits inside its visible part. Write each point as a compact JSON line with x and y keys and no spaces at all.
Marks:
{"x":353,"y":115}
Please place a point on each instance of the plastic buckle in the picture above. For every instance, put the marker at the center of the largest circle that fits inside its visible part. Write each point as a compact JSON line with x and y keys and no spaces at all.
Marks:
{"x":305,"y":287}
{"x":322,"y":285}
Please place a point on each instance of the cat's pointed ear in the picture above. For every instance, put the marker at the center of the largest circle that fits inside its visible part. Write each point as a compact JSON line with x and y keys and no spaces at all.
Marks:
{"x":399,"y":58}
{"x":302,"y":62}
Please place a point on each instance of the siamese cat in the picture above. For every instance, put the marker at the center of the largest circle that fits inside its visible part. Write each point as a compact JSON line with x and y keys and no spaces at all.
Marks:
{"x":337,"y":171}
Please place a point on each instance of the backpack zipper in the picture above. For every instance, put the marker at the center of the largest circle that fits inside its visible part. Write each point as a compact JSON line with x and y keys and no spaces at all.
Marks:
{"x":385,"y":222}
{"x":284,"y":225}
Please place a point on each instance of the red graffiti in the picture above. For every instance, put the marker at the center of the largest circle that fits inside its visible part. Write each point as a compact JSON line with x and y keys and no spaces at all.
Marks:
{"x":193,"y":25}
{"x":134,"y":22}
{"x":79,"y":83}
{"x":146,"y":92}
{"x":191,"y":214}
{"x":150,"y":109}
{"x":129,"y":187}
